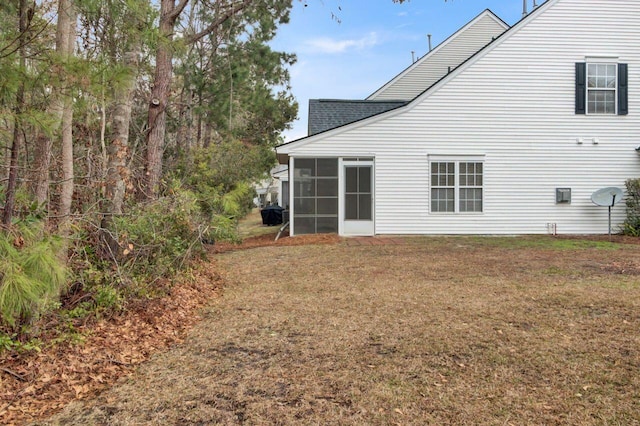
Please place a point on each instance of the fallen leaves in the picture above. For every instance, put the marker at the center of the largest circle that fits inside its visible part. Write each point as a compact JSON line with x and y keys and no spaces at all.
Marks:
{"x":39,"y":384}
{"x":128,"y":250}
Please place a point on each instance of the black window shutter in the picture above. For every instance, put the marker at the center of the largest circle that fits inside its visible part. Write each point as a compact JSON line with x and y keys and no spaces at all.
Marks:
{"x":581,"y":87}
{"x":623,"y":91}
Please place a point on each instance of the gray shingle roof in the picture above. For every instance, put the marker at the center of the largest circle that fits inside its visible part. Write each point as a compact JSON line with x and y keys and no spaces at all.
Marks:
{"x":326,"y":114}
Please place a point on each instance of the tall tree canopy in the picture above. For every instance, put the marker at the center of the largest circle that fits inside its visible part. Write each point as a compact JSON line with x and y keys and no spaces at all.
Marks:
{"x":133,"y":129}
{"x":91,"y":113}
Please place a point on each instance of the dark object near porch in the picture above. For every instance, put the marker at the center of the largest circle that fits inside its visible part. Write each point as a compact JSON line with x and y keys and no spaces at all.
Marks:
{"x":272,"y":215}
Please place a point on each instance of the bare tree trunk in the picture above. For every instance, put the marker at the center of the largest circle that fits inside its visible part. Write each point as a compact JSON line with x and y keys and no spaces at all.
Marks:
{"x":67,"y":187}
{"x":199,"y":128}
{"x":66,"y":18}
{"x":157,"y":118}
{"x":118,"y":169}
{"x":18,"y":141}
{"x":42,"y":162}
{"x":189,"y":118}
{"x":206,"y":141}
{"x":67,"y":33}
{"x":184,"y":114}
{"x":18,"y":131}
{"x":199,"y":141}
{"x":183,"y":136}
{"x":169,"y":13}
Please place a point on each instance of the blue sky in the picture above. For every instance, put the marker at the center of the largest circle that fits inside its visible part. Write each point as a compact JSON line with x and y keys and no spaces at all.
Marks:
{"x":370,"y":45}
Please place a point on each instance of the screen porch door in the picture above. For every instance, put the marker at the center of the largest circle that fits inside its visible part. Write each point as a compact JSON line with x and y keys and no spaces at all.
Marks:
{"x":358,"y":211}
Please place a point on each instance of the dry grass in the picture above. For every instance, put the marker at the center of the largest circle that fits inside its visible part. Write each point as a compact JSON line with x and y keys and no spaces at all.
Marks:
{"x":486,"y":331}
{"x":251,"y":226}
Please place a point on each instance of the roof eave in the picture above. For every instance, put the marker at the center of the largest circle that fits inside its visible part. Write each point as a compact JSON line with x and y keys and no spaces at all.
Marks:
{"x":427,"y":92}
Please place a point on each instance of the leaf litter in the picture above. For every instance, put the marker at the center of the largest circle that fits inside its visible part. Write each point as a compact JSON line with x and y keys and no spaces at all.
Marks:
{"x":430,"y":331}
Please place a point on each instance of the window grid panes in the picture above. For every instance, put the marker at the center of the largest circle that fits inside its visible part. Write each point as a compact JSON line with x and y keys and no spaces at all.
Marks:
{"x":358,"y":196}
{"x":601,"y":88}
{"x":470,"y":200}
{"x":443,"y":178}
{"x":315,"y":195}
{"x":456,"y":187}
{"x":470,"y":187}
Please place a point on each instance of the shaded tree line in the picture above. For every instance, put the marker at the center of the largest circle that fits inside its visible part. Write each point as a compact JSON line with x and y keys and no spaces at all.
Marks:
{"x":116,"y":118}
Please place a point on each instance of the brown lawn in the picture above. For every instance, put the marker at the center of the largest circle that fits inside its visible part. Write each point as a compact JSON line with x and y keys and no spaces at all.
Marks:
{"x":487,"y":331}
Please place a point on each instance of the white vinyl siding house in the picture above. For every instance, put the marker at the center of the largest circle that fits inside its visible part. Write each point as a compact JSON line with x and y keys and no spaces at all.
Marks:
{"x":513,"y":109}
{"x":443,"y":58}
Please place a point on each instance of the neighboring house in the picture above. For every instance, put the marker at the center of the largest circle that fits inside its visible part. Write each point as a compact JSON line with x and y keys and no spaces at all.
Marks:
{"x":281,"y":175}
{"x":512,"y":138}
{"x":270,"y":190}
{"x":266,"y":191}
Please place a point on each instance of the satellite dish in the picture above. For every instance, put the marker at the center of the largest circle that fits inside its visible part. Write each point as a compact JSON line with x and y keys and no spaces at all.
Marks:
{"x":607,"y":197}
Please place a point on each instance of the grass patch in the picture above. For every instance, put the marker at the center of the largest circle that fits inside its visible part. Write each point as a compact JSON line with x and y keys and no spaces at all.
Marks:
{"x":251,"y":226}
{"x":432,"y":331}
{"x":545,"y":241}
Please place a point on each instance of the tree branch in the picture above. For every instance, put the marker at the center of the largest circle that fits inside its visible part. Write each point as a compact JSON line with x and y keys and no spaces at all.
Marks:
{"x":178,"y":9}
{"x":221,"y":20}
{"x":14,"y":374}
{"x":22,"y":39}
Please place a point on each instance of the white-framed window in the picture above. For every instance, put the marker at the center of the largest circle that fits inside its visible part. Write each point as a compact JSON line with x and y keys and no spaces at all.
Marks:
{"x":602,"y":83}
{"x":602,"y":87}
{"x":456,"y":186}
{"x":443,"y":186}
{"x":470,"y":186}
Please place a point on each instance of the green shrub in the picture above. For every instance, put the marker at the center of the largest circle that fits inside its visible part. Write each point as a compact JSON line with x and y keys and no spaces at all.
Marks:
{"x":104,"y":299}
{"x":11,"y":343}
{"x":631,"y":225}
{"x":6,"y":342}
{"x":223,"y":165}
{"x":126,"y":255}
{"x":223,"y":228}
{"x":157,"y":238}
{"x":238,"y":202}
{"x":108,"y":298}
{"x":219,"y":176}
{"x":32,"y":273}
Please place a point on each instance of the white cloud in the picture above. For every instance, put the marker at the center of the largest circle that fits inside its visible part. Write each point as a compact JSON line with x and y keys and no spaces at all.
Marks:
{"x":329,"y":45}
{"x":298,"y":69}
{"x":405,"y":25}
{"x":403,"y":14}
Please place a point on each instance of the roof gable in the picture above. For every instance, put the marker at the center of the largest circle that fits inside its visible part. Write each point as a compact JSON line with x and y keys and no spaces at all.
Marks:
{"x":443,"y":58}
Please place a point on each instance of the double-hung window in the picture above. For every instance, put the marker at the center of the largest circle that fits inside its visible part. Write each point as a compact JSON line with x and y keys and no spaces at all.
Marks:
{"x":456,"y":186}
{"x":601,"y":87}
